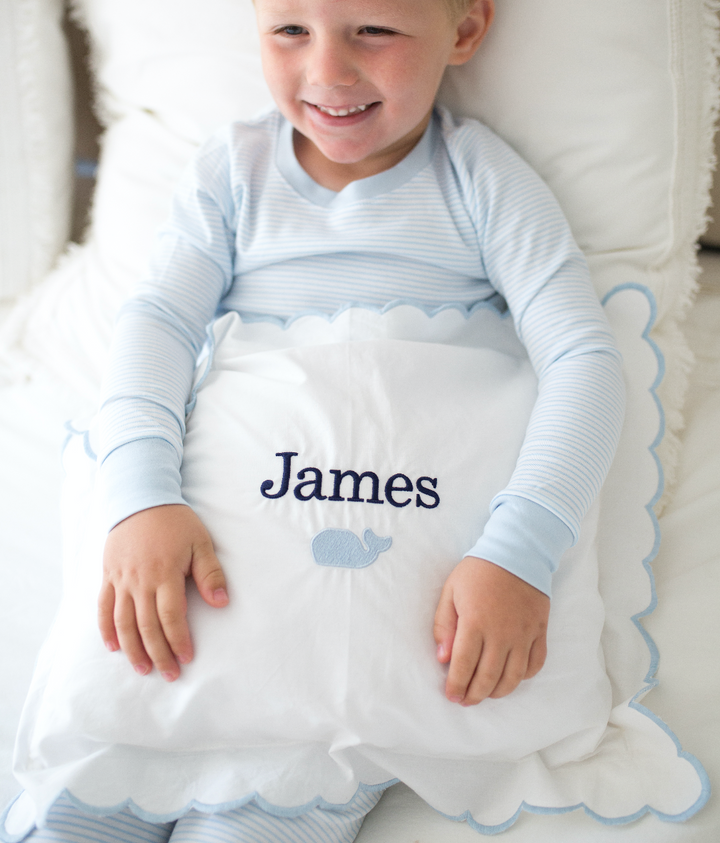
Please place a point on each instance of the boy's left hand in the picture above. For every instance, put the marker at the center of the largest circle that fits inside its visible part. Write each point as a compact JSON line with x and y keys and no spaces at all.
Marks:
{"x":491,"y":626}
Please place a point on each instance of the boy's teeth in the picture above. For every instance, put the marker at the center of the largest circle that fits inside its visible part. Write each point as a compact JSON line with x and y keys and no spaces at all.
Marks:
{"x":342,"y":112}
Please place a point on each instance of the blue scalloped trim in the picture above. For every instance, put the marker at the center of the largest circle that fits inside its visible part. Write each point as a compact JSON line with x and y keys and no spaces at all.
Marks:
{"x":203,"y":807}
{"x":210,"y":346}
{"x":71,"y":431}
{"x":232,"y":805}
{"x":5,"y":836}
{"x":495,"y":302}
{"x":650,"y":679}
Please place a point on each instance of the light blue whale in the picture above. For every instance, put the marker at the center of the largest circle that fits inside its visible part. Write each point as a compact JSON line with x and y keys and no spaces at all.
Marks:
{"x":343,"y":549}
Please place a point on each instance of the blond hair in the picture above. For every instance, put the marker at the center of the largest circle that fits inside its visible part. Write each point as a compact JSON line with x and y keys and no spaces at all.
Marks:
{"x":457,"y":9}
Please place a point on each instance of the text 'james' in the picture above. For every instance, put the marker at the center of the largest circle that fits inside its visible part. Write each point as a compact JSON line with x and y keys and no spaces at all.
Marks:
{"x":398,"y":488}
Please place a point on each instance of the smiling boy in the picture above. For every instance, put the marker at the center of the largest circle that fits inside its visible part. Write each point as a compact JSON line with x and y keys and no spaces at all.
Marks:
{"x":360,"y":97}
{"x":358,"y":190}
{"x":355,"y":81}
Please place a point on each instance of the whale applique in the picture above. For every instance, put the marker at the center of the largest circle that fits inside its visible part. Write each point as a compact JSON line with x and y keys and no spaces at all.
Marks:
{"x":343,"y":549}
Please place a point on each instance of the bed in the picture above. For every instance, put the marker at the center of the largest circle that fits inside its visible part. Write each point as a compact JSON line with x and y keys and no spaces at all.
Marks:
{"x":59,"y":299}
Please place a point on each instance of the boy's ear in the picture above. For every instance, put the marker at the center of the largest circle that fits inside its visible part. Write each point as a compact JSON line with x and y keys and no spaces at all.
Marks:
{"x":471,"y":30}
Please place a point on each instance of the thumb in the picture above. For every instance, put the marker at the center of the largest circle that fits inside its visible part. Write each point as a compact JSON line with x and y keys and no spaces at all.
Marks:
{"x":209,"y":578}
{"x":445,"y":626}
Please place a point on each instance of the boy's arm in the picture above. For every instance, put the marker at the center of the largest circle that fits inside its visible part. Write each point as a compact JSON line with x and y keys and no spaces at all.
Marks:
{"x":158,"y":336}
{"x":156,"y":541}
{"x":492,"y":615}
{"x":530,"y":257}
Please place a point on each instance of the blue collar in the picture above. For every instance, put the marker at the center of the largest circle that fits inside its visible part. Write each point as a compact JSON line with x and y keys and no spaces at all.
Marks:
{"x":417,"y":159}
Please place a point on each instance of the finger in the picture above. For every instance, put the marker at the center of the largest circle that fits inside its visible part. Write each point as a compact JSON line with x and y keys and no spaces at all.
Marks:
{"x":466,"y":654}
{"x":106,"y":624}
{"x":513,"y":673}
{"x":172,"y":613}
{"x":153,"y":637}
{"x":445,"y":625}
{"x":208,"y":575}
{"x":484,"y":681}
{"x":128,"y":634}
{"x":536,"y":659}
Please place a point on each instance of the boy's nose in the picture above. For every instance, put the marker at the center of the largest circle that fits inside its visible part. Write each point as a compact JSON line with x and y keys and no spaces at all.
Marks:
{"x":330,"y":65}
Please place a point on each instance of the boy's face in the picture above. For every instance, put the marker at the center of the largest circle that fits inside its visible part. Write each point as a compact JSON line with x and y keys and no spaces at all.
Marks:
{"x":357,"y":78}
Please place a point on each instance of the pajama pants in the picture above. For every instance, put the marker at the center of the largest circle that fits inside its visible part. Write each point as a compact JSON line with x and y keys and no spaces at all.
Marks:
{"x":249,"y":824}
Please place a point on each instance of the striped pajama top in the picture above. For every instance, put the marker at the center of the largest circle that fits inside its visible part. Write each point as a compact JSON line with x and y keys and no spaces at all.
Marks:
{"x":462,"y":219}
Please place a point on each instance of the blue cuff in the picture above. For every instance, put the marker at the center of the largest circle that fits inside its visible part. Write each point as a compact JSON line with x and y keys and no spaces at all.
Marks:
{"x":139,"y":475}
{"x":525,"y":539}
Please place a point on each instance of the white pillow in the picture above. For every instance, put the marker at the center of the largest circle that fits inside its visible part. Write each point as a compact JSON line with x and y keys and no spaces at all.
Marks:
{"x":36,"y":138}
{"x":344,"y":690}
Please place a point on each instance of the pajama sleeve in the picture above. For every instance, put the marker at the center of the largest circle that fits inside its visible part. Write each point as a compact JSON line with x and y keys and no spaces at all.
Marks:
{"x":159,"y":334}
{"x":531,"y":258}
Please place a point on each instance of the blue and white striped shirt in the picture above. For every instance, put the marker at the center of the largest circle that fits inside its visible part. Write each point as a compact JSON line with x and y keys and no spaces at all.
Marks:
{"x":461,"y":219}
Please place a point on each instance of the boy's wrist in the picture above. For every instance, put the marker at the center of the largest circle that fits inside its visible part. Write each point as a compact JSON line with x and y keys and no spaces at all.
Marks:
{"x":139,"y":475}
{"x":525,"y":539}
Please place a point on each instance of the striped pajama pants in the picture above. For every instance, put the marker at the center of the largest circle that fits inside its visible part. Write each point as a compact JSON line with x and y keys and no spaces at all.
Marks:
{"x":249,"y":824}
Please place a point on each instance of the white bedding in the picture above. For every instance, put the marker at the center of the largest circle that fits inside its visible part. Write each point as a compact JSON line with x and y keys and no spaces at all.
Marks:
{"x":687,"y":572}
{"x":652,"y":100}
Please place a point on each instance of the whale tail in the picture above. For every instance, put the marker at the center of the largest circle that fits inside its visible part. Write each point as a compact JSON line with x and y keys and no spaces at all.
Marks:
{"x":376,"y":544}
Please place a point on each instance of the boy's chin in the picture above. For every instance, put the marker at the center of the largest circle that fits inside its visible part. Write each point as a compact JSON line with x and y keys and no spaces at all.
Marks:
{"x":336,"y":155}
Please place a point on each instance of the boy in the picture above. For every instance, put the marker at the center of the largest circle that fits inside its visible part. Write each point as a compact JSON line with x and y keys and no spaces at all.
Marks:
{"x":355,"y":82}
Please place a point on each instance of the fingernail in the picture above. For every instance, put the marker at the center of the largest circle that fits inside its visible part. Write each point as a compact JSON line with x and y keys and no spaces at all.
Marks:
{"x":168,"y":677}
{"x":455,"y":699}
{"x":142,"y":669}
{"x":441,"y":651}
{"x":183,"y":659}
{"x":220,"y":594}
{"x":111,"y":646}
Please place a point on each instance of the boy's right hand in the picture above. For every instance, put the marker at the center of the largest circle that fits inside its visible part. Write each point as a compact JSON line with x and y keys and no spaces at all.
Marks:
{"x":142,"y":605}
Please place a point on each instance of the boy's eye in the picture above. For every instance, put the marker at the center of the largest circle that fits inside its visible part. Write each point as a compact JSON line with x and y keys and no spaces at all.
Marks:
{"x":291,"y":30}
{"x":376,"y":30}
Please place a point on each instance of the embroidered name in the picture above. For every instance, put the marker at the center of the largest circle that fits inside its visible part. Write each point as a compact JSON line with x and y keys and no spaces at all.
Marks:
{"x":398,"y":489}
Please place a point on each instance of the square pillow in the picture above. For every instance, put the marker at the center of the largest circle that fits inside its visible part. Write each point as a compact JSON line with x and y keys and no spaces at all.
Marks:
{"x":337,"y":507}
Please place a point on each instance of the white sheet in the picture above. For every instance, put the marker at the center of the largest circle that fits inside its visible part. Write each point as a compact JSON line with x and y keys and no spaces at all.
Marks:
{"x":31,"y":433}
{"x":683,"y":626}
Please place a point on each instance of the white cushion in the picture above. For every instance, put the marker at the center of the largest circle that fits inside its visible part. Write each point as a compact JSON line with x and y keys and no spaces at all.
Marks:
{"x":36,"y":139}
